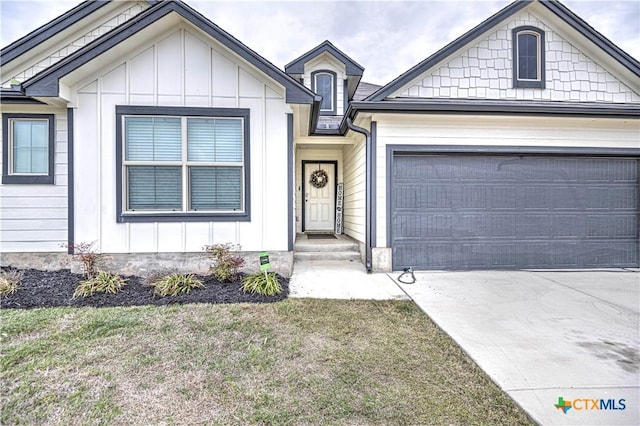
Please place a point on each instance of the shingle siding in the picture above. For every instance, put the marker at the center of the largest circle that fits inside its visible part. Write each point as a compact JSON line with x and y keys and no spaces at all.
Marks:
{"x":485,"y":71}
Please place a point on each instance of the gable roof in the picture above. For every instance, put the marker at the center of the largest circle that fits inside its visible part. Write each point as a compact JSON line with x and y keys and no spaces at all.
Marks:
{"x":46,"y":83}
{"x":553,"y":5}
{"x":37,"y":36}
{"x":297,"y":65}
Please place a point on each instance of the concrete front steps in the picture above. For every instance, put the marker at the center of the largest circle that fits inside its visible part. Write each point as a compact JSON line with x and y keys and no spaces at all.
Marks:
{"x":341,"y":248}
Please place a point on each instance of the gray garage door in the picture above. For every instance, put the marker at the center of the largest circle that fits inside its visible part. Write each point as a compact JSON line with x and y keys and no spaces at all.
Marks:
{"x":511,"y":212}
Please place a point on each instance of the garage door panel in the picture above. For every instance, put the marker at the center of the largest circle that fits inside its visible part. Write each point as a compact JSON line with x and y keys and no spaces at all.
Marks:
{"x":624,"y":171}
{"x":624,"y":198}
{"x":568,"y":226}
{"x":532,"y":226}
{"x":503,"y":225}
{"x":475,"y":212}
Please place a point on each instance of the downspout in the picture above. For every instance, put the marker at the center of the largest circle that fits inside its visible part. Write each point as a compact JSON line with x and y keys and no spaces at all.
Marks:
{"x":368,"y":186}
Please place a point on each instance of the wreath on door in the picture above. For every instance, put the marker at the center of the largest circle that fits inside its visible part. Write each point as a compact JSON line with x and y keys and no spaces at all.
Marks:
{"x":319,"y":178}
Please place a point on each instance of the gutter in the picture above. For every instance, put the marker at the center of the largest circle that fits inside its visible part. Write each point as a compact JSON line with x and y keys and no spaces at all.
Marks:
{"x":493,"y":107}
{"x":368,"y":188}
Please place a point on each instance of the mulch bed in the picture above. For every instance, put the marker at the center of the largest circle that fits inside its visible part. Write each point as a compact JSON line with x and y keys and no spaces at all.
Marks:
{"x":46,"y":289}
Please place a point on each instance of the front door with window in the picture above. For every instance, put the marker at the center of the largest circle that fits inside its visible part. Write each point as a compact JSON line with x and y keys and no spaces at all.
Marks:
{"x":319,"y":196}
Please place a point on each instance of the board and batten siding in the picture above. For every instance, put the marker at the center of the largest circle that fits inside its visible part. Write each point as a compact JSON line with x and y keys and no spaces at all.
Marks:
{"x":190,"y":70}
{"x":33,"y":218}
{"x":354,"y":205}
{"x":492,"y":131}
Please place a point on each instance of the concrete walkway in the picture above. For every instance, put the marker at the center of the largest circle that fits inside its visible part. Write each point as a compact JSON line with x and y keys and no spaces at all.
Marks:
{"x":341,"y":279}
{"x":542,"y":336}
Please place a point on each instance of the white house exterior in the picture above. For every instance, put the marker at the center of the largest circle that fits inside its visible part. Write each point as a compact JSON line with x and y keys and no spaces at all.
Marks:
{"x":158,"y":135}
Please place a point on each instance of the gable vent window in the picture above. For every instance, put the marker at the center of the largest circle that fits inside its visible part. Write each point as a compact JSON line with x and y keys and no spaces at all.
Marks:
{"x":180,"y":166}
{"x":324,"y":84}
{"x":528,"y":57}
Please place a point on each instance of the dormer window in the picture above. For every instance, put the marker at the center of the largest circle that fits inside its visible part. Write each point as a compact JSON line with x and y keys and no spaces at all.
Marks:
{"x":528,"y":57}
{"x":324,"y":84}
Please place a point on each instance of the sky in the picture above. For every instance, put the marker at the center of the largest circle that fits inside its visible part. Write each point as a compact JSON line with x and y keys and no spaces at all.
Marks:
{"x":385,"y":37}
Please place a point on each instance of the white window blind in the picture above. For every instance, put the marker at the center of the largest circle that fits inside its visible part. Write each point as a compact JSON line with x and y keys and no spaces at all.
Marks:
{"x":157,"y":175}
{"x":216,"y":188}
{"x":153,"y":139}
{"x":214,"y":140}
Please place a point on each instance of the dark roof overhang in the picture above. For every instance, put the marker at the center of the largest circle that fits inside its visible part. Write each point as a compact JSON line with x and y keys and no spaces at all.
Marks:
{"x":553,"y":5}
{"x":48,"y":30}
{"x":46,"y":83}
{"x":297,"y":65}
{"x":12,"y":96}
{"x":492,"y":107}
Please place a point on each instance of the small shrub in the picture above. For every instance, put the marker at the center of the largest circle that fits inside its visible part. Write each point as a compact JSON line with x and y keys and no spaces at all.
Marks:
{"x":103,"y":282}
{"x":175,"y":284}
{"x":260,"y":283}
{"x":226,"y":263}
{"x":9,"y":281}
{"x":85,"y":252}
{"x":158,"y":274}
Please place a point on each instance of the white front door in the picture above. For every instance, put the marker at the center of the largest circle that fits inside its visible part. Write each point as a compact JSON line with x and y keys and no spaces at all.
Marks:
{"x":320,"y":209}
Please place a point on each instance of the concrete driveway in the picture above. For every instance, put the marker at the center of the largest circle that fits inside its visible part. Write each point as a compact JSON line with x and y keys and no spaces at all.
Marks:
{"x":542,"y":336}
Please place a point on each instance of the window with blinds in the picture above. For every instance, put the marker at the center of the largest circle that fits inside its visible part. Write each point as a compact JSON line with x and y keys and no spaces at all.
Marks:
{"x":183,"y":164}
{"x":28,"y":148}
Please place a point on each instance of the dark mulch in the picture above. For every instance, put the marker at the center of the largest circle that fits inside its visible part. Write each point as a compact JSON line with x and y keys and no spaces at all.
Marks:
{"x":46,"y":289}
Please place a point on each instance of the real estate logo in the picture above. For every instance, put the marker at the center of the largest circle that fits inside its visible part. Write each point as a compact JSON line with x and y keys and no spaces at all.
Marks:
{"x":581,"y":404}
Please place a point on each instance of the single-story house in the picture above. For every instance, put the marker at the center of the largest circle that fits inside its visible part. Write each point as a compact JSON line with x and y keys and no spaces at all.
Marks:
{"x":144,"y":127}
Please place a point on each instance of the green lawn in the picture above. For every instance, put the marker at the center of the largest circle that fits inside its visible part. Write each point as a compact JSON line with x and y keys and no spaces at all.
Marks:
{"x":311,"y":362}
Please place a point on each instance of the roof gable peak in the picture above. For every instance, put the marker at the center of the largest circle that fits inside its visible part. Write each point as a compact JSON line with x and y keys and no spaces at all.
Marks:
{"x":554,"y":7}
{"x":46,"y":83}
{"x":297,"y":65}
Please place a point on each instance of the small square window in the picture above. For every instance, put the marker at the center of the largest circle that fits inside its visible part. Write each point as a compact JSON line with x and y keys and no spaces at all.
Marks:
{"x":28,"y":148}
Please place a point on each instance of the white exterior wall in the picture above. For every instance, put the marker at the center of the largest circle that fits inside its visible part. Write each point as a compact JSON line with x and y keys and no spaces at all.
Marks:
{"x":312,"y":154}
{"x":354,"y":206}
{"x":492,"y":131}
{"x":33,"y":218}
{"x":327,"y":62}
{"x":182,"y":69}
{"x":485,"y":71}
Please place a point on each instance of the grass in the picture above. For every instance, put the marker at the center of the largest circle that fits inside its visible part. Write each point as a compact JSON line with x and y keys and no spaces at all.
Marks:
{"x":313,"y":362}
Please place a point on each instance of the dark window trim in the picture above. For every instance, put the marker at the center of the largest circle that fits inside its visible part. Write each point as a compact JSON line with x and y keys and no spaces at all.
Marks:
{"x":122,"y":216}
{"x":530,"y":84}
{"x":28,"y":179}
{"x":334,"y":103}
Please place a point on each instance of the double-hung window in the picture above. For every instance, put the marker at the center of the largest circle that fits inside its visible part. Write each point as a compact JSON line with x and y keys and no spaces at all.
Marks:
{"x":528,"y":57}
{"x":28,"y":148}
{"x":324,"y":84}
{"x":183,"y":163}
